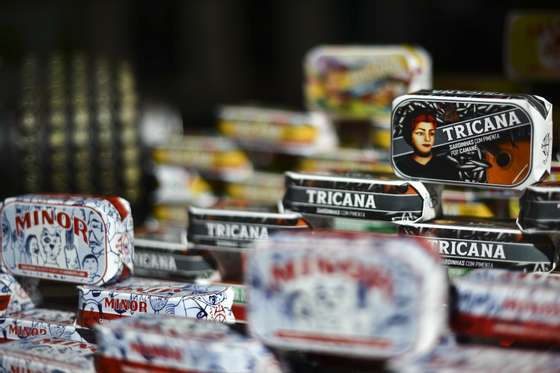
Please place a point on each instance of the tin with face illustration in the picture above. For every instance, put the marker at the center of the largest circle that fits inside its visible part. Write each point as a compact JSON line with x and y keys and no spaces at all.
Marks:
{"x":68,"y":238}
{"x":481,"y":139}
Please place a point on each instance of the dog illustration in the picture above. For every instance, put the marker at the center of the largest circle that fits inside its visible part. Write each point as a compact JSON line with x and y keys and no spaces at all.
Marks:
{"x":51,"y":243}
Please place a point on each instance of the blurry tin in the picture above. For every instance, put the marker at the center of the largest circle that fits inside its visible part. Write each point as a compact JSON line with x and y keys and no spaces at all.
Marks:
{"x":85,"y":240}
{"x":164,"y":254}
{"x":360,"y":197}
{"x":44,"y":354}
{"x":274,"y":130}
{"x":226,"y":234}
{"x":213,"y":156}
{"x":169,"y":263}
{"x":44,"y":323}
{"x":464,"y":203}
{"x":179,"y":186}
{"x":167,"y":344}
{"x":507,"y":306}
{"x":479,"y":139}
{"x":531,"y":48}
{"x":239,"y":298}
{"x":361,"y":81}
{"x":380,"y":299}
{"x":262,"y":188}
{"x":540,"y":208}
{"x":485,"y":243}
{"x":454,"y":357}
{"x":347,"y":160}
{"x":13,"y":297}
{"x":138,"y":296}
{"x":237,"y":228}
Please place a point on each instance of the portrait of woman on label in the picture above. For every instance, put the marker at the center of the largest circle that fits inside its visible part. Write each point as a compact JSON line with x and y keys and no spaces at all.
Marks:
{"x":419,"y":131}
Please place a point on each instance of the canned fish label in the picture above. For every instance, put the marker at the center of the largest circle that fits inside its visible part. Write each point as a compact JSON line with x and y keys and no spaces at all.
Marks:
{"x":67,"y":238}
{"x":456,"y":357}
{"x":360,"y":197}
{"x":138,"y":296}
{"x":169,"y":263}
{"x":236,"y":228}
{"x":169,"y":344}
{"x":214,"y":157}
{"x":478,"y":243}
{"x":40,"y":322}
{"x":239,"y":298}
{"x":360,"y":82}
{"x":282,"y":131}
{"x":13,"y":297}
{"x":305,"y":293}
{"x":473,"y":138}
{"x":488,"y":306}
{"x":45,"y":354}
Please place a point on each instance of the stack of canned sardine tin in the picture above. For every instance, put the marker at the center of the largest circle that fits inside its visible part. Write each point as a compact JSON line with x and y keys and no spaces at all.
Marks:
{"x":303,"y":285}
{"x":300,"y":294}
{"x":87,"y":243}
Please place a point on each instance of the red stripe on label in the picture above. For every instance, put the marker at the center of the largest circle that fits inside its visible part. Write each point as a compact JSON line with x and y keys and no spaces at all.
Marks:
{"x":58,"y":271}
{"x":288,"y":334}
{"x":4,"y":301}
{"x":114,"y":365}
{"x":521,"y":331}
{"x":239,"y":312}
{"x":89,"y":319}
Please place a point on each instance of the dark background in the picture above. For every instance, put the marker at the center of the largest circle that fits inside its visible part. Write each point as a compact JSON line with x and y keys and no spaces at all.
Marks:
{"x":198,"y":54}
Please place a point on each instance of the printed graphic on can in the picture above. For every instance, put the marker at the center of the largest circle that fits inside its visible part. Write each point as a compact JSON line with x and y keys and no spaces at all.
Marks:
{"x":237,"y":229}
{"x":138,"y":296}
{"x":306,"y":294}
{"x":361,"y":82}
{"x":13,"y":297}
{"x":65,"y":238}
{"x":360,"y":196}
{"x":45,"y":354}
{"x":40,"y":322}
{"x":480,"y":243}
{"x":501,"y":306}
{"x":482,"y":140}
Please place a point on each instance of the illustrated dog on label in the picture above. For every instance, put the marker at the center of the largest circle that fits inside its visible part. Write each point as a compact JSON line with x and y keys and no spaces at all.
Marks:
{"x":51,"y":245}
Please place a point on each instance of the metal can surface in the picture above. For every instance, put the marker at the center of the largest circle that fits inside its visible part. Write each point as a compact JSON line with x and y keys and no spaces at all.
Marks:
{"x":84,"y":240}
{"x":342,"y":293}
{"x":481,"y":139}
{"x":139,"y":296}
{"x":360,"y":197}
{"x":162,"y":343}
{"x":485,"y":243}
{"x":46,"y":354}
{"x":501,"y":305}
